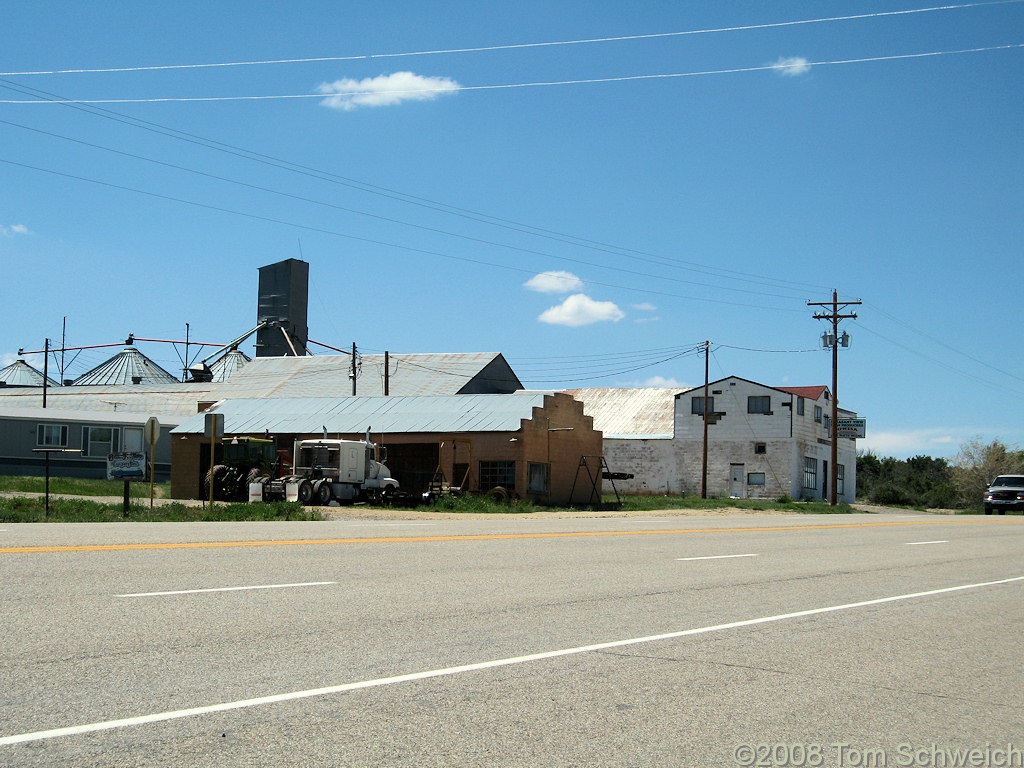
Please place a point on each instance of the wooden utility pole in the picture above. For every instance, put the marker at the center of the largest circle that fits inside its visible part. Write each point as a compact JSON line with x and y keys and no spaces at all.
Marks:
{"x":353,"y":369}
{"x":834,"y":317}
{"x":704,"y":460}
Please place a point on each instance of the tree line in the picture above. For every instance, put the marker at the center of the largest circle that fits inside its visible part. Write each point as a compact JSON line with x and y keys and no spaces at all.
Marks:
{"x":922,"y":481}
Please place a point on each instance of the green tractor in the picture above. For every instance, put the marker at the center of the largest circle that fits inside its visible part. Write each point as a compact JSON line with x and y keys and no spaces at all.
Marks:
{"x":239,"y":462}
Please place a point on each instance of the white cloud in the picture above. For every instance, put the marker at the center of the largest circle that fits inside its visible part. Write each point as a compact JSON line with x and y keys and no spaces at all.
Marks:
{"x":911,"y":442}
{"x":661,"y":381}
{"x":645,"y":307}
{"x":385,"y":90}
{"x":554,"y":282}
{"x":14,"y":229}
{"x":792,"y":66}
{"x":579,"y":309}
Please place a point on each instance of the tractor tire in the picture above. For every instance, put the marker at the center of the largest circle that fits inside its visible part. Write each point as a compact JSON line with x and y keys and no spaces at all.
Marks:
{"x":498,"y":494}
{"x":305,"y":492}
{"x":218,"y":476}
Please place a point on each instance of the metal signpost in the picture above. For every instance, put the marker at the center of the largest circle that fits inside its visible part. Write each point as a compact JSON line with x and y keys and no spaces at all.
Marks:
{"x":152,"y":435}
{"x":213,"y":429}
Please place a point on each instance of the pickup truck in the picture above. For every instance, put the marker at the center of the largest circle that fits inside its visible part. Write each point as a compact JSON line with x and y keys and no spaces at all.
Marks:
{"x":1005,"y":492}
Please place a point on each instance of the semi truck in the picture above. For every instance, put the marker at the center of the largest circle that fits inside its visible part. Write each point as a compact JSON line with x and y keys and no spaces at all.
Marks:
{"x":334,"y":470}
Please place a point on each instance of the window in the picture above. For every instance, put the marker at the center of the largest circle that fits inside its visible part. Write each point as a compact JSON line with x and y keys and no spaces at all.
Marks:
{"x":760,"y":448}
{"x":810,"y":473}
{"x":840,"y":479}
{"x":697,"y":405}
{"x":495,"y":473}
{"x":755,"y":478}
{"x":538,"y":477}
{"x":827,"y":421}
{"x":759,"y":404}
{"x":52,"y":435}
{"x":99,"y":441}
{"x":800,"y":406}
{"x":817,"y":413}
{"x":133,"y":440}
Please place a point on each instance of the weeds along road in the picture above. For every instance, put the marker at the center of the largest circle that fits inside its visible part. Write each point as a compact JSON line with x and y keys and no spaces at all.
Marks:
{"x":529,"y":642}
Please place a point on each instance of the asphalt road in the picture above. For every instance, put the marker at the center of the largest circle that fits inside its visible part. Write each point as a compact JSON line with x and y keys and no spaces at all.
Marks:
{"x":813,"y":640}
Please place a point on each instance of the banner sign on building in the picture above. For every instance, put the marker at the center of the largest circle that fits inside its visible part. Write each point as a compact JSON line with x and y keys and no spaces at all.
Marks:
{"x":851,"y":427}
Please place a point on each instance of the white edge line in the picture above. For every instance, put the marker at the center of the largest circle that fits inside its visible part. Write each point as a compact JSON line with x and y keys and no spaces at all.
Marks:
{"x":228,"y":589}
{"x":713,"y":557}
{"x":915,"y":543}
{"x":178,"y":714}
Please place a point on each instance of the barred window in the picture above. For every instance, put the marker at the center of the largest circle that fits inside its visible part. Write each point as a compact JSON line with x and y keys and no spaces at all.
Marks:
{"x":495,"y":473}
{"x":810,"y":472}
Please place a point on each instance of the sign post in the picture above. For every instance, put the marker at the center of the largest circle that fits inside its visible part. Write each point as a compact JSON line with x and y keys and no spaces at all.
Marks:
{"x":152,"y":435}
{"x":213,"y":429}
{"x":126,"y":466}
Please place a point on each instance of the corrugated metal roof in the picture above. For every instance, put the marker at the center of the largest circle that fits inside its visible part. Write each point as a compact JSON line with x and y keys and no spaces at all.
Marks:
{"x":154,"y":400}
{"x":228,"y":365}
{"x":811,"y":393}
{"x":21,"y":374}
{"x":642,"y":413}
{"x":127,"y":367}
{"x":328,"y":375}
{"x":389,"y":415}
{"x":101,"y":417}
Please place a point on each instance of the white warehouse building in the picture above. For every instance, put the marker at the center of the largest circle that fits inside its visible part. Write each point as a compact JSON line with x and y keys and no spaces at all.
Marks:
{"x":763,"y":442}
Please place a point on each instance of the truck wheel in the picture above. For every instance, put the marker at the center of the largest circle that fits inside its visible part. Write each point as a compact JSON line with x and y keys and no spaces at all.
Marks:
{"x":305,"y":492}
{"x":323,"y":493}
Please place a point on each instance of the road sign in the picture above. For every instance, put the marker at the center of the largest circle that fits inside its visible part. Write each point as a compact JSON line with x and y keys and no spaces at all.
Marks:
{"x":214,"y":426}
{"x":851,"y":427}
{"x":152,"y":430}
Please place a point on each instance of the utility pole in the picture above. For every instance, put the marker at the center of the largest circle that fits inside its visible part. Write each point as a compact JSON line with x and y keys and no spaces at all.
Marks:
{"x":704,"y":460}
{"x":833,"y":340}
{"x":353,"y":374}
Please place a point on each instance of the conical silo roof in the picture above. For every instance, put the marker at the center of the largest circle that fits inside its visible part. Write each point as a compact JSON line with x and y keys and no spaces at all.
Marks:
{"x":228,"y":365}
{"x":129,"y":366}
{"x":21,"y":374}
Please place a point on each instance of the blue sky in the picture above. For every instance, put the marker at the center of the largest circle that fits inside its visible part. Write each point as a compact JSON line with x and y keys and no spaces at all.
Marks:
{"x":593,"y":210}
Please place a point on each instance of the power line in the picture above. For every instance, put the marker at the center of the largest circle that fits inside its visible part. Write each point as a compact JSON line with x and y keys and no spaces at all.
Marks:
{"x":506,"y":86}
{"x":408,"y":248}
{"x":391,"y":220}
{"x":402,"y":196}
{"x":514,"y":46}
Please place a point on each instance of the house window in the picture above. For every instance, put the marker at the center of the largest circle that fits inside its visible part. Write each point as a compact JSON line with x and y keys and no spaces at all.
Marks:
{"x":697,"y":405}
{"x":133,"y":439}
{"x":755,"y":478}
{"x":810,"y":473}
{"x":840,"y":479}
{"x":799,"y":406}
{"x":495,"y":473}
{"x":539,"y":476}
{"x":99,"y":441}
{"x":760,"y":448}
{"x":759,"y":404}
{"x":827,"y":421}
{"x":817,"y":413}
{"x":52,"y":435}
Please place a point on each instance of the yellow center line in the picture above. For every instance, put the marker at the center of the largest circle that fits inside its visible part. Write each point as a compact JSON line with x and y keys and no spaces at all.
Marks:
{"x":481,"y":537}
